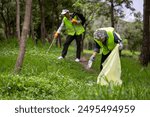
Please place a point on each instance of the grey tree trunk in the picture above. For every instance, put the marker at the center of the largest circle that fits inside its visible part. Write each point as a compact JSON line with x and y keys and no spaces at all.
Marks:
{"x":43,"y":29}
{"x":112,"y":13}
{"x":145,"y":52}
{"x":24,"y":33}
{"x":32,"y":28}
{"x":18,"y":19}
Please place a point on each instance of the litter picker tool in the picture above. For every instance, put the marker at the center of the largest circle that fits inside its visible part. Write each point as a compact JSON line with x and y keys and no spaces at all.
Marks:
{"x":51,"y":45}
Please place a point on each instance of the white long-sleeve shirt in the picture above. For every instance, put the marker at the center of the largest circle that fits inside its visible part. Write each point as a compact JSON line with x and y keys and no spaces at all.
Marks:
{"x":60,"y":27}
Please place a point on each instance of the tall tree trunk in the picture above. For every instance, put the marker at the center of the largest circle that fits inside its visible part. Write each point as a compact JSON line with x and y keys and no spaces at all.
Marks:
{"x":149,"y":32}
{"x":32,"y":28}
{"x":112,"y":13}
{"x":18,"y":19}
{"x":24,"y":33}
{"x":145,"y":52}
{"x":43,"y":29}
{"x":56,"y":9}
{"x":55,"y":20}
{"x":8,"y":22}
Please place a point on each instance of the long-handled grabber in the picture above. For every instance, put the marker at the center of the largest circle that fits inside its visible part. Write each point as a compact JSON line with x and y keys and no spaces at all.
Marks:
{"x":51,"y":45}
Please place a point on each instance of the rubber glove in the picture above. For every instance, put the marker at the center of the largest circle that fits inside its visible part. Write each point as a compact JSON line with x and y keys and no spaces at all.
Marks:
{"x":74,"y":21}
{"x":120,"y":46}
{"x":90,"y":62}
{"x":56,"y":35}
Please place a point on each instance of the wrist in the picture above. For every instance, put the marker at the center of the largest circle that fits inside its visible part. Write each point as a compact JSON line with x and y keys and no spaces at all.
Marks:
{"x":92,"y":58}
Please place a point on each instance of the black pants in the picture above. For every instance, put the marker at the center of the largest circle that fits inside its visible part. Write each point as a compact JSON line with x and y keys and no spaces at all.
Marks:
{"x":68,"y":41}
{"x":103,"y":58}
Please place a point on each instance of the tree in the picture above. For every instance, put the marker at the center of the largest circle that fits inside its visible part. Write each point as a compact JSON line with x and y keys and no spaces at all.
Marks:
{"x":145,"y":52}
{"x":24,"y":33}
{"x":7,"y":15}
{"x":116,"y":9}
{"x":43,"y":29}
{"x":18,"y":19}
{"x":112,"y":13}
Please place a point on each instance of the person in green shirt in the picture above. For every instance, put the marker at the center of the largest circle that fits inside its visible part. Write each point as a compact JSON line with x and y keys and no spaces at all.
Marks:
{"x":106,"y":40}
{"x":73,"y":30}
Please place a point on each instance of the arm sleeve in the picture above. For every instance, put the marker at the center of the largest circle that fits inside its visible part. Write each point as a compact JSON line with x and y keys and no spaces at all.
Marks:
{"x":96,"y":48}
{"x":60,"y":27}
{"x":117,"y":38}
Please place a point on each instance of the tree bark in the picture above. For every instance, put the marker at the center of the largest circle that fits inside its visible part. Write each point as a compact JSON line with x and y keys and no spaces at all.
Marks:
{"x":145,"y":52}
{"x":43,"y":29}
{"x":112,"y":13}
{"x":4,"y":20}
{"x":18,"y":19}
{"x":56,"y":9}
{"x":32,"y":28}
{"x":24,"y":33}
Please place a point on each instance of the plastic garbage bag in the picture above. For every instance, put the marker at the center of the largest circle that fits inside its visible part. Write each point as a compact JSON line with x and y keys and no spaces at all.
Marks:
{"x":111,"y":71}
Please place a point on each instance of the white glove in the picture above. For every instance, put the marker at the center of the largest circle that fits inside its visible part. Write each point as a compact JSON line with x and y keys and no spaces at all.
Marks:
{"x":120,"y":46}
{"x":90,"y":62}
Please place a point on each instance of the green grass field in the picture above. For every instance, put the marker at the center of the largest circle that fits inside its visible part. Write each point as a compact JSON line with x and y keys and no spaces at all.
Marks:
{"x":46,"y":78}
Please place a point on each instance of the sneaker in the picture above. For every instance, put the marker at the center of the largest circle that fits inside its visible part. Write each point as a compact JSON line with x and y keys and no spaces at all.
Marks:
{"x":77,"y":60}
{"x":60,"y":57}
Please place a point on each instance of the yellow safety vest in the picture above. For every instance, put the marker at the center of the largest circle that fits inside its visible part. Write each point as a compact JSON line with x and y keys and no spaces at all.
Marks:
{"x":110,"y":44}
{"x":72,"y":29}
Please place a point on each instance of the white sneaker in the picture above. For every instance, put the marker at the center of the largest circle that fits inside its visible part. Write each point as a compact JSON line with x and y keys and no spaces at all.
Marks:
{"x":77,"y":60}
{"x":60,"y":57}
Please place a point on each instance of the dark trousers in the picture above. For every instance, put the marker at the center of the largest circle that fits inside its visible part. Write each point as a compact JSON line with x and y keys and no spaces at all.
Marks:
{"x":68,"y":41}
{"x":103,"y":58}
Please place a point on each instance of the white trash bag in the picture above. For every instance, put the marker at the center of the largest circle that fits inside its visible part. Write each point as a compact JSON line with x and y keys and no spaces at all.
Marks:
{"x":111,"y":71}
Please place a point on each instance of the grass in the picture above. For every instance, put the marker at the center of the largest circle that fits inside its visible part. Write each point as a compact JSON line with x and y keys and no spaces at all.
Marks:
{"x":44,"y":77}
